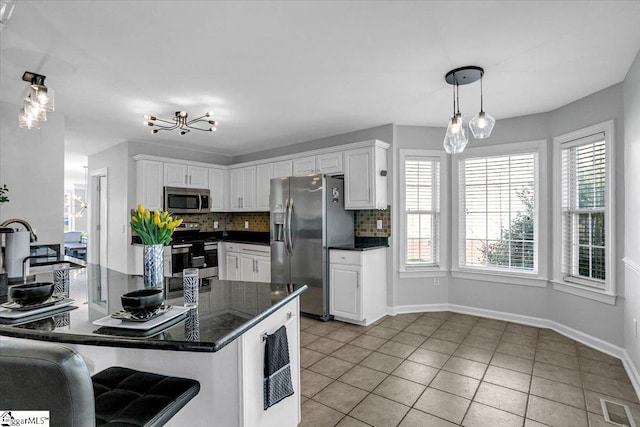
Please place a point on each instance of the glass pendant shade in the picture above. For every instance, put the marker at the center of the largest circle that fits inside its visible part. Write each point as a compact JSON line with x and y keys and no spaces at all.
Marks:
{"x":482,"y":125}
{"x":44,"y":96}
{"x":456,"y":138}
{"x":35,"y":110}
{"x":26,"y":121}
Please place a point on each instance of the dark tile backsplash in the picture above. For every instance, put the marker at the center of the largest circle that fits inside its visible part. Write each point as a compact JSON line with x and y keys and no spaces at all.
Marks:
{"x":366,"y":223}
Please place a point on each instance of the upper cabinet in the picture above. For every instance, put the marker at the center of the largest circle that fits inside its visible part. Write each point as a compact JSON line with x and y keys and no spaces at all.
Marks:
{"x":264,"y":173}
{"x":282,"y":169}
{"x":218,"y":190}
{"x":149,"y":179}
{"x":330,"y":163}
{"x":242,"y":189}
{"x":365,"y":177}
{"x":185,"y":176}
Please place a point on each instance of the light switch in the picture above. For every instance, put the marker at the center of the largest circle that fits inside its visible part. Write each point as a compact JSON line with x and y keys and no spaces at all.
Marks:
{"x":379,"y":224}
{"x":215,"y":224}
{"x":246,"y":224}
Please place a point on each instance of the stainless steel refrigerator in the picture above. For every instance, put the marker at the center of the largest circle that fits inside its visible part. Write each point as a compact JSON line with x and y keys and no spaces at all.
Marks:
{"x":308,"y":217}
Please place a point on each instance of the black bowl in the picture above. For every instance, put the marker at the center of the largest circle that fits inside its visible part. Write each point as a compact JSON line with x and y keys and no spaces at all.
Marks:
{"x":142,"y":300}
{"x":31,"y":293}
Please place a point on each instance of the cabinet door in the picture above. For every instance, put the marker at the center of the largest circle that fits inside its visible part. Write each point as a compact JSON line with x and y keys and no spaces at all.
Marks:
{"x":330,"y":163}
{"x":175,"y":175}
{"x":283,"y":169}
{"x":249,"y":189}
{"x":263,"y":267}
{"x":247,"y":268}
{"x":304,"y":166}
{"x":235,"y":189}
{"x":345,"y":291}
{"x":233,"y":266}
{"x":198,"y":177}
{"x":264,"y":173}
{"x":150,"y":176}
{"x":218,"y":189}
{"x":358,"y":179}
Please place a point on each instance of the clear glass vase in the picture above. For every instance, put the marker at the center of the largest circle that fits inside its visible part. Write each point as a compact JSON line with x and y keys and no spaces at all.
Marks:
{"x":153,"y":256}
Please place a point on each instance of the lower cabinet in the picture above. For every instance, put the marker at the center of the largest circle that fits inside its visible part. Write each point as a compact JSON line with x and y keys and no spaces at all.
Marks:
{"x":250,"y":263}
{"x":358,"y":285}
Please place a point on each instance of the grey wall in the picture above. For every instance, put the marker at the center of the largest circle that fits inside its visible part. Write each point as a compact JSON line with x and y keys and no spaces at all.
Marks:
{"x":631,"y":96}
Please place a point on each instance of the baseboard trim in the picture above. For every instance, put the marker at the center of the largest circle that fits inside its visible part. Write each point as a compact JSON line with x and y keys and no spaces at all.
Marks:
{"x":581,"y":337}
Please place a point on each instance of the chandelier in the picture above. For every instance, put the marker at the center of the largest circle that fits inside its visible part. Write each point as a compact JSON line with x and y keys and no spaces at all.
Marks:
{"x":179,"y":121}
{"x":457,"y":136}
{"x":37,"y":104}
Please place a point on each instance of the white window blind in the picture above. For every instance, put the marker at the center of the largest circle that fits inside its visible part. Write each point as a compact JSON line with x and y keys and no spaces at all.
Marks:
{"x":498,"y":212}
{"x":422,"y":210}
{"x":583,"y":210}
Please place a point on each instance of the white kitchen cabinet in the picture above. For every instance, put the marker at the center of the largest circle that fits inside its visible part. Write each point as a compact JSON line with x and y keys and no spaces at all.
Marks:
{"x":149,"y":183}
{"x":263,"y":269}
{"x":256,"y":263}
{"x":330,"y":163}
{"x":304,"y":166}
{"x":242,"y":188}
{"x":365,"y":177}
{"x":218,"y":190}
{"x":282,"y":169}
{"x":185,"y":176}
{"x":247,"y":267}
{"x":264,"y":173}
{"x":232,"y":266}
{"x":357,"y":285}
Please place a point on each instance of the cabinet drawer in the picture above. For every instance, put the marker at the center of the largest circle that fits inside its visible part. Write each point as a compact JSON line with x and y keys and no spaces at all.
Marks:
{"x":345,"y":257}
{"x":259,"y":250}
{"x":232,"y":247}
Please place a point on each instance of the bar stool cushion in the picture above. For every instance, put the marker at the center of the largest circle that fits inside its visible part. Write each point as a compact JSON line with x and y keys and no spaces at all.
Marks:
{"x":126,"y":397}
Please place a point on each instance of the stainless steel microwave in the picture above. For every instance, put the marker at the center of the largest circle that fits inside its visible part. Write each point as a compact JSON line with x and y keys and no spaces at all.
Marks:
{"x":186,"y":200}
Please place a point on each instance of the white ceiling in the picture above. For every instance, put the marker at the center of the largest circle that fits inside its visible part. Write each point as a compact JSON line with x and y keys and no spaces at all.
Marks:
{"x":277,"y":73}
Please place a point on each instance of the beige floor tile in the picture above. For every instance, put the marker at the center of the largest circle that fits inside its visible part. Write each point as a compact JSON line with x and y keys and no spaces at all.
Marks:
{"x":456,"y":326}
{"x":465,"y":367}
{"x":441,"y":346}
{"x":322,"y":328}
{"x":428,"y":357}
{"x":420,"y":329}
{"x":449,"y":335}
{"x":603,"y":369}
{"x":417,"y":372}
{"x":408,"y":317}
{"x":525,"y":340}
{"x":597,"y":421}
{"x":485,"y":332}
{"x":325,"y":345}
{"x":592,"y":399}
{"x":351,"y":422}
{"x":439,"y":314}
{"x":550,"y":334}
{"x":590,"y":353}
{"x":531,"y":423}
{"x":305,"y":322}
{"x":455,"y":384}
{"x":429,"y":321}
{"x":342,"y":335}
{"x":557,"y":373}
{"x":522,"y":329}
{"x":481,"y":342}
{"x":512,"y":362}
{"x":315,"y":414}
{"x":409,"y":338}
{"x":464,"y":318}
{"x":443,"y":405}
{"x":309,"y":357}
{"x":379,"y":411}
{"x":399,"y":390}
{"x":518,"y":350}
{"x":362,"y":377}
{"x":381,"y":362}
{"x":621,"y":389}
{"x":415,"y":418}
{"x":311,"y":382}
{"x":502,"y":398}
{"x":382,"y":332}
{"x":473,"y":353}
{"x":500,"y":325}
{"x":306,"y":338}
{"x":396,"y":349}
{"x":340,"y":396}
{"x":351,"y":353}
{"x":560,"y":359}
{"x":368,"y":341}
{"x":480,"y":415}
{"x":331,"y":367}
{"x":507,"y":378}
{"x":396,"y":324}
{"x":544,"y":344}
{"x":558,"y":392}
{"x":555,"y":414}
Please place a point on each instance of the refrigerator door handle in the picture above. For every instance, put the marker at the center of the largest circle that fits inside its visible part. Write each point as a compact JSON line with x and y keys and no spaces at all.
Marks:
{"x":286,"y":227}
{"x":290,"y":225}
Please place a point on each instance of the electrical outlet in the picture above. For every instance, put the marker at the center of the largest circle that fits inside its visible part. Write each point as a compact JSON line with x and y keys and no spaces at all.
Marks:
{"x":635,"y":328}
{"x":436,"y":281}
{"x":379,"y":224}
{"x":215,"y":224}
{"x":246,"y":224}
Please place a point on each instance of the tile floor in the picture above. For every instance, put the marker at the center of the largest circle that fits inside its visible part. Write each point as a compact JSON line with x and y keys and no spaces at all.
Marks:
{"x":448,"y":369}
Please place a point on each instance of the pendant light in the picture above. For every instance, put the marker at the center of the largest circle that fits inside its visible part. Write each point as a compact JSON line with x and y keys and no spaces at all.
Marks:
{"x":482,"y":123}
{"x":456,"y":137}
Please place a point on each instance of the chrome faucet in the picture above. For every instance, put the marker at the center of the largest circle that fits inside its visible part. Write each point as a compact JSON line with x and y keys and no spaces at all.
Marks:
{"x":24,"y":265}
{"x":32,"y":235}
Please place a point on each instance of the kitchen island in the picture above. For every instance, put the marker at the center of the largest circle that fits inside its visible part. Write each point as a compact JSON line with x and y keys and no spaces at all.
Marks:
{"x":220,"y":343}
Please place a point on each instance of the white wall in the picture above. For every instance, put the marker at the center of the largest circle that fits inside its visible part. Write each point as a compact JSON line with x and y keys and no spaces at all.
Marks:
{"x":32,"y":166}
{"x":631,"y":96}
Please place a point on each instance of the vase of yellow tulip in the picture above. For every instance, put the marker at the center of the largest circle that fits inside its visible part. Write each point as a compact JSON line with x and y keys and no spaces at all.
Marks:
{"x":155,"y":230}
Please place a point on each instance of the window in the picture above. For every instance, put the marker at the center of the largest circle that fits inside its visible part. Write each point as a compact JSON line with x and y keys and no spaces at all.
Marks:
{"x":498,"y":212}
{"x":583,"y":213}
{"x":421,"y":214}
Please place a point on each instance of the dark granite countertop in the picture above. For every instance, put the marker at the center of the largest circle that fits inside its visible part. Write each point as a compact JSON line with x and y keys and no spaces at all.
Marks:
{"x":225,"y":313}
{"x":365,"y":244}
{"x":250,"y":237}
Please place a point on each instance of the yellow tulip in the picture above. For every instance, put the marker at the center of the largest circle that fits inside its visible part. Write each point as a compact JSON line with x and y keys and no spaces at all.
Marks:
{"x":147,"y":214}
{"x":141,"y":209}
{"x":156,"y":220}
{"x":156,"y":213}
{"x":179,"y":221}
{"x":134,"y":218}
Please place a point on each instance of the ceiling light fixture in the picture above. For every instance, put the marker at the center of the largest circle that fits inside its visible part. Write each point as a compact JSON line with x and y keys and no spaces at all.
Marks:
{"x":40,"y":101}
{"x":179,"y":121}
{"x":456,"y":138}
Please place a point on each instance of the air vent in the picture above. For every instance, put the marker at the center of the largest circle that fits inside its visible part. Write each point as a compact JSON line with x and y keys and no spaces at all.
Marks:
{"x":617,"y":414}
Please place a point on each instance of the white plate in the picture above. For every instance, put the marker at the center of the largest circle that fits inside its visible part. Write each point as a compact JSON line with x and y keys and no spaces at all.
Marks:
{"x":7,"y":313}
{"x":110,"y":322}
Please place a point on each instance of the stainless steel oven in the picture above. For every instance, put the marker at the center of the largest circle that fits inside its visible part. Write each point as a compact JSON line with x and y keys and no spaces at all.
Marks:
{"x":197,"y":254}
{"x":186,"y":200}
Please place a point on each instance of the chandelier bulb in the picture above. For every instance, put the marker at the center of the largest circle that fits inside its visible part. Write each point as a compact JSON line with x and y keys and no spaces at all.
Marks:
{"x":209,"y":114}
{"x":213,"y":129}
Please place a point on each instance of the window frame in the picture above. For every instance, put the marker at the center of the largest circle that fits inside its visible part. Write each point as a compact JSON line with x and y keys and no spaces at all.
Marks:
{"x":573,"y":285}
{"x":536,"y":278}
{"x":432,"y":270}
